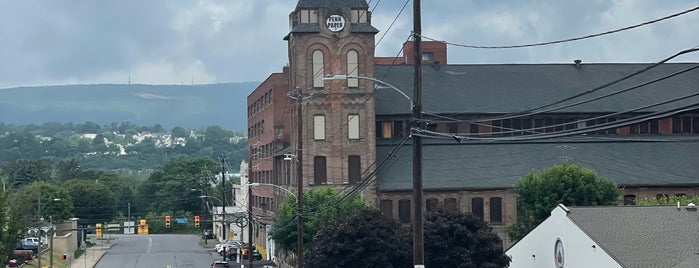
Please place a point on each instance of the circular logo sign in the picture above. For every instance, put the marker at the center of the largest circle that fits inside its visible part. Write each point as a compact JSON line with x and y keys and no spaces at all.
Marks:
{"x":559,"y":254}
{"x":335,"y":23}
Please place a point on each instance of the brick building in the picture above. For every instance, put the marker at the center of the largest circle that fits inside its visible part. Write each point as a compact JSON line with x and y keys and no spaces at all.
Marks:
{"x":472,"y":155}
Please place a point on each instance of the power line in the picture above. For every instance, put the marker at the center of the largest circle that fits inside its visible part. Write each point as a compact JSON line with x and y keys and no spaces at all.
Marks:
{"x":569,"y":39}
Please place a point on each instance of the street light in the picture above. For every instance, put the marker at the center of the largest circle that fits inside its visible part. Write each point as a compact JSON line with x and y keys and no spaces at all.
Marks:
{"x":253,"y":184}
{"x":345,"y":77}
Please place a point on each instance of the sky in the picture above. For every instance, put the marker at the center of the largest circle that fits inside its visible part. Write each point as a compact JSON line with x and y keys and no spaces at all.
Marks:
{"x":47,"y":42}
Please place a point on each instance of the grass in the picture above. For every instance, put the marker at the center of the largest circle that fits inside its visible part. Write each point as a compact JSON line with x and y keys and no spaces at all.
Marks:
{"x":45,"y":260}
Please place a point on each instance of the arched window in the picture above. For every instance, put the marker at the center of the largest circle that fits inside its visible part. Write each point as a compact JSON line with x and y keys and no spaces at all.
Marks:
{"x":318,"y":69}
{"x":352,"y":68}
{"x":431,"y":204}
{"x":477,"y":207}
{"x":496,"y":210}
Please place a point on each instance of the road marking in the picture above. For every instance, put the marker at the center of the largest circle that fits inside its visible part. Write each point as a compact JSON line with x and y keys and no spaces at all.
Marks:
{"x":150,"y":244}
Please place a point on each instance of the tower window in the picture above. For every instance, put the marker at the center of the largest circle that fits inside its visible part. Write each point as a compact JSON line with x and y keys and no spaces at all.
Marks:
{"x":358,"y":16}
{"x":352,"y":68}
{"x":308,"y":16}
{"x":318,"y":69}
{"x":320,"y":174}
{"x":319,"y":127}
{"x":427,"y":56}
{"x":353,"y":126}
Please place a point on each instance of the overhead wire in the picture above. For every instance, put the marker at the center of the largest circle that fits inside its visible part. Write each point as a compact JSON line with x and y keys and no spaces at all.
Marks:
{"x":568,"y":39}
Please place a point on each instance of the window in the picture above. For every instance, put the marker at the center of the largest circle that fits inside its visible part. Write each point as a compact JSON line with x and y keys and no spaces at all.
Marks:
{"x":308,"y":16}
{"x":387,"y":207}
{"x":496,"y":210}
{"x":477,"y":207}
{"x":404,"y":210}
{"x":319,"y":127}
{"x":427,"y":56}
{"x":320,"y":174}
{"x":629,"y":199}
{"x":352,"y":68}
{"x":318,"y":69}
{"x":431,"y":204}
{"x":453,"y":127}
{"x":354,"y":166}
{"x":398,"y":130}
{"x":450,"y":204}
{"x":358,"y":16}
{"x":353,"y":126}
{"x":387,"y":129}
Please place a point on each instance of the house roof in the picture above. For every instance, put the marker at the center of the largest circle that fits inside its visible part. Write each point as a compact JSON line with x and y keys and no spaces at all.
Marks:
{"x":507,"y":88}
{"x":449,"y":165}
{"x":657,"y":236}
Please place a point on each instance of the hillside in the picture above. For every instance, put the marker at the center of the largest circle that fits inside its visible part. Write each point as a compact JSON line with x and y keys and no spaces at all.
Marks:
{"x":187,"y":106}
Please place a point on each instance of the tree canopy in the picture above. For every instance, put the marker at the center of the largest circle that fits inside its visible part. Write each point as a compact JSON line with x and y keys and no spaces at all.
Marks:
{"x":461,"y":240}
{"x":566,"y":183}
{"x":93,"y":201}
{"x":320,"y":207}
{"x":364,"y":238}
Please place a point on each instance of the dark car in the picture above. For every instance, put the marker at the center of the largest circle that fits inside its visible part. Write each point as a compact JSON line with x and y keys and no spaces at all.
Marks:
{"x":208,"y":234}
{"x":217,"y":264}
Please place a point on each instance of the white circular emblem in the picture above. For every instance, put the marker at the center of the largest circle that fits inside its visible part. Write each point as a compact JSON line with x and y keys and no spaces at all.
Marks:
{"x":559,"y":254}
{"x":335,"y":23}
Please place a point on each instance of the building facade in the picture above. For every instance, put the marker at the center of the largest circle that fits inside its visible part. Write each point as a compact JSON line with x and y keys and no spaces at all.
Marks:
{"x":487,"y":124}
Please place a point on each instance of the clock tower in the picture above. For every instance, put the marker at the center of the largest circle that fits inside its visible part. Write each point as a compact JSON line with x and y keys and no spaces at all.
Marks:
{"x":338,"y":140}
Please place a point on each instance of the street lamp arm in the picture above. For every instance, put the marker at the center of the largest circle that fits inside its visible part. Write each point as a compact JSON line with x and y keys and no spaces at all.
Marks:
{"x":275,"y":186}
{"x":345,"y":77}
{"x":208,"y":196}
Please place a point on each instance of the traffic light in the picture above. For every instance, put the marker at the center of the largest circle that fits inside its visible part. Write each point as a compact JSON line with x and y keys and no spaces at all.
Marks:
{"x":98,"y":230}
{"x":63,"y":256}
{"x":196,"y":221}
{"x":167,"y":221}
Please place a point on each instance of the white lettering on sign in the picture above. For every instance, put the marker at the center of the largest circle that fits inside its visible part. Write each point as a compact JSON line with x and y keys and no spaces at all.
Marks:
{"x":335,"y":23}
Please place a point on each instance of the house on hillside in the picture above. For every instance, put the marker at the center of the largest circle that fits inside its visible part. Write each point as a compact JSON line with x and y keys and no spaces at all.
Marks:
{"x":487,"y":125}
{"x":623,"y":236}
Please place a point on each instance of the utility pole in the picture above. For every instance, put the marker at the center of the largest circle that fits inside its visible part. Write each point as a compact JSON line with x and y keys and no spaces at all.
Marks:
{"x":223,"y":192}
{"x":299,"y":174}
{"x":249,"y":225}
{"x":418,"y":124}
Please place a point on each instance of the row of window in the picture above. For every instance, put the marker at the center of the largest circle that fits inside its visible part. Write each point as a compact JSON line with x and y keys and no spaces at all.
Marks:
{"x":258,"y":151}
{"x":256,"y":129}
{"x":311,"y":16}
{"x":319,"y":68}
{"x":259,"y":104}
{"x":528,"y":126}
{"x":477,"y":208}
{"x":319,"y":127}
{"x":320,"y":169}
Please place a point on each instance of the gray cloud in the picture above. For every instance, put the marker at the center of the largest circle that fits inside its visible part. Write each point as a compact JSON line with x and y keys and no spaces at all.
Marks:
{"x":47,"y":42}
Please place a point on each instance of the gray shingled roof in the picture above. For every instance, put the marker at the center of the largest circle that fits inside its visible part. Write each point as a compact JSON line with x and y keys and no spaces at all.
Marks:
{"x":362,"y":28}
{"x":505,"y":88}
{"x":448,"y":165}
{"x":653,"y":237}
{"x":332,"y":3}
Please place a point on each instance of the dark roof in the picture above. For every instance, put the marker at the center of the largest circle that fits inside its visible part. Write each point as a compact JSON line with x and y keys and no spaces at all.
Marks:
{"x":658,"y":236}
{"x":506,"y":88}
{"x":332,"y":3}
{"x":362,"y":28}
{"x":449,"y":165}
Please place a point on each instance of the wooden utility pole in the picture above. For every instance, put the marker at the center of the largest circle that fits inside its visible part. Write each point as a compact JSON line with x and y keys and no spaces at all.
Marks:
{"x":299,"y":174}
{"x":223,"y":193}
{"x":418,"y":124}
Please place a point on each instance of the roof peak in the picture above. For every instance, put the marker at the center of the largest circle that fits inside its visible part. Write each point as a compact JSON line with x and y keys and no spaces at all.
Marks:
{"x":332,"y":3}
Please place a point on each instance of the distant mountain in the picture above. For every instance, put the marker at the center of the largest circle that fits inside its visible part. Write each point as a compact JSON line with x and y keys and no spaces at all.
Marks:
{"x":188,"y":106}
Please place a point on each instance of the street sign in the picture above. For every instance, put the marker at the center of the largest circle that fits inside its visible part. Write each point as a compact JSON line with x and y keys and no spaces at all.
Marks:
{"x":181,"y":220}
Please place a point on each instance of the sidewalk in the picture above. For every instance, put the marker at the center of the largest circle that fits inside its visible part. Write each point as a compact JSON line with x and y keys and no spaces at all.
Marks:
{"x":91,"y":256}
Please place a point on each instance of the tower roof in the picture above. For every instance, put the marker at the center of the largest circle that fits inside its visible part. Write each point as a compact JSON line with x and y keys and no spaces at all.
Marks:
{"x":332,"y":3}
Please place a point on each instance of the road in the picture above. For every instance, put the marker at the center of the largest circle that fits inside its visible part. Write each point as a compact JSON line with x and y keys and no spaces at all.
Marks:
{"x":145,"y":251}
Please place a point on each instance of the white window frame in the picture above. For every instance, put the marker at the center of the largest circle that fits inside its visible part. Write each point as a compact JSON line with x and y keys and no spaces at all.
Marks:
{"x":318,"y":69}
{"x":353,"y":126}
{"x":352,"y":68}
{"x":319,"y":127}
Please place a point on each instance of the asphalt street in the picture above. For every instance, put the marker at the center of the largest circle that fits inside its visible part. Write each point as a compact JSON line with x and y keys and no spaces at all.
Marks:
{"x":144,"y":251}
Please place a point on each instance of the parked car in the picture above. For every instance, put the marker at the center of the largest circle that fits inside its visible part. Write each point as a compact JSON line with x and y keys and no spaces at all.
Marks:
{"x":220,"y":264}
{"x":228,"y":245}
{"x":34,"y":240}
{"x":28,"y":245}
{"x":22,"y":255}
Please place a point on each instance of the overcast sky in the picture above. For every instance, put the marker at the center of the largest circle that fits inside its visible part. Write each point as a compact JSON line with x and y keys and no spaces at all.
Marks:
{"x":48,"y":42}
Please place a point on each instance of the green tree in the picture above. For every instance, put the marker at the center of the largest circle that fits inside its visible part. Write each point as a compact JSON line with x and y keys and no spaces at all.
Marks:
{"x":10,"y":228}
{"x":56,"y":204}
{"x":568,"y":184}
{"x":363,"y":238}
{"x":24,"y":171}
{"x":461,"y":240}
{"x":67,"y":170}
{"x":320,"y":207}
{"x":93,"y":202}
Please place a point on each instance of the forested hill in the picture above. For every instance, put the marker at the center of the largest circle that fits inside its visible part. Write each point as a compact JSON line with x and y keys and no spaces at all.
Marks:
{"x":187,"y":106}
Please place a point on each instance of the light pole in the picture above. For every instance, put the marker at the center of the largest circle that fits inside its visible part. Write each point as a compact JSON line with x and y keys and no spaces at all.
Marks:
{"x":345,"y":77}
{"x":250,"y":185}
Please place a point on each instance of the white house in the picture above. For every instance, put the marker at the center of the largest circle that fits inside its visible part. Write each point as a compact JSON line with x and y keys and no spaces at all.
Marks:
{"x":619,"y":236}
